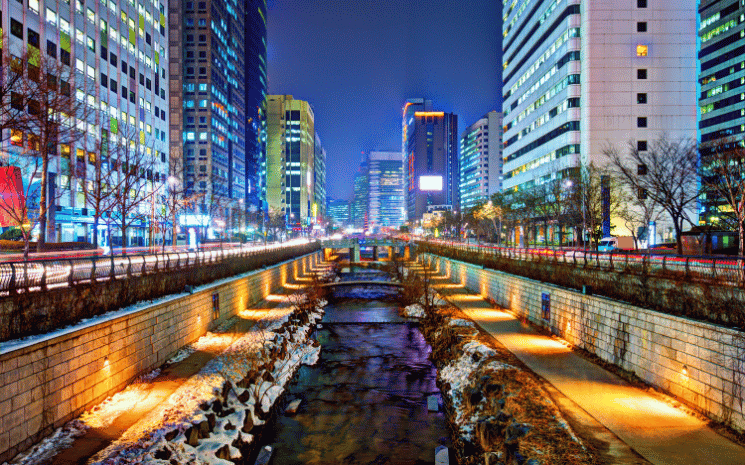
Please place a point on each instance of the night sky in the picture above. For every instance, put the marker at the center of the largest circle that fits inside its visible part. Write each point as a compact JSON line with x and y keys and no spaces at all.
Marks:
{"x":357,"y":61}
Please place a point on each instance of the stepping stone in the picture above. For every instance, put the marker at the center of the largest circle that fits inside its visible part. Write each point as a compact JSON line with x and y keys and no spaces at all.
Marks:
{"x":319,"y":326}
{"x":432,"y":404}
{"x":441,"y":456}
{"x":264,"y":456}
{"x":294,"y":405}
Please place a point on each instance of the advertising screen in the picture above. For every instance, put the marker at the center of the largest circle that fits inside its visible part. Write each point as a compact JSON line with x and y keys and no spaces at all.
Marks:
{"x":430,"y":183}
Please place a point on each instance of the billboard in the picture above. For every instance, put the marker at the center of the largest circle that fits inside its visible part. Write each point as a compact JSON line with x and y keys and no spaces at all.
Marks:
{"x":430,"y":183}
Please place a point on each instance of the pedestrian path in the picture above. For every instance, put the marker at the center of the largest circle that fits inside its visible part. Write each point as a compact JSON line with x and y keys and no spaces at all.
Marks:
{"x":110,"y":420}
{"x":659,"y":432}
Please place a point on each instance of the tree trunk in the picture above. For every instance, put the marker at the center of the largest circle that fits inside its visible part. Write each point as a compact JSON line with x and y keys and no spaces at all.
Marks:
{"x":43,"y":204}
{"x":124,"y":237}
{"x":26,"y":240}
{"x":96,"y":216}
{"x":678,"y":238}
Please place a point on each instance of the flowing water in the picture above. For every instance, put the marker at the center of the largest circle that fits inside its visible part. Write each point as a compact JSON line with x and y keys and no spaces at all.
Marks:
{"x":365,"y":402}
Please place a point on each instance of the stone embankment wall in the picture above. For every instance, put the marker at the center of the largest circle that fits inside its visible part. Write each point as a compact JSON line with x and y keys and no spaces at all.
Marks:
{"x":52,"y":379}
{"x":702,"y":364}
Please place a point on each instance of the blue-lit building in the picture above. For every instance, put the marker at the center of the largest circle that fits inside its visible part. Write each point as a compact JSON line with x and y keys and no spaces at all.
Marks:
{"x":220,"y":85}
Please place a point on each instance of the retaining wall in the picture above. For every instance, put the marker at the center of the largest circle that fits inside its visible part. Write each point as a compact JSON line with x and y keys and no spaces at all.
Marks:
{"x":702,"y":364}
{"x":52,"y":379}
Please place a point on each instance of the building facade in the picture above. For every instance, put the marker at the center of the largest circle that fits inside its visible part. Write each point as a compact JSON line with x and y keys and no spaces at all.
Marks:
{"x":337,"y":212}
{"x":430,"y":161}
{"x":113,"y":58}
{"x":207,"y":41}
{"x":385,"y":200}
{"x":721,"y":72}
{"x":318,"y":208}
{"x":585,"y":75}
{"x":481,"y":160}
{"x":290,"y":158}
{"x":255,"y":87}
{"x":358,"y":213}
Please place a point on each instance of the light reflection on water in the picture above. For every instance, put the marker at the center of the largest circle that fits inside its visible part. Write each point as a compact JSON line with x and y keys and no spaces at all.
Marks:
{"x":365,"y":401}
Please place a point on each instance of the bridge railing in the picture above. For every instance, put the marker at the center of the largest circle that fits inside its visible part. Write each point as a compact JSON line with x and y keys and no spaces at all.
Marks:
{"x":723,"y":270}
{"x":53,"y":273}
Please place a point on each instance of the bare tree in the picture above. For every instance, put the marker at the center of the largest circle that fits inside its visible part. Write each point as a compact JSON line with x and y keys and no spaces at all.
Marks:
{"x":667,"y":172}
{"x":588,"y":199}
{"x":100,"y":184}
{"x":133,"y":185}
{"x":640,"y":210}
{"x":276,"y":224}
{"x":173,"y":198}
{"x":13,"y":114}
{"x":723,"y":180}
{"x":57,"y":114}
{"x":493,"y":215}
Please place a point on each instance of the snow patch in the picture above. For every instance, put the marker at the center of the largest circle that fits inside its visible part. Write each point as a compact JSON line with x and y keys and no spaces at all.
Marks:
{"x":414,"y":311}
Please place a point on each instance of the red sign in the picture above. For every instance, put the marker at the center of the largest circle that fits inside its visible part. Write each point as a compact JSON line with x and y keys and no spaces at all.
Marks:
{"x":12,"y":200}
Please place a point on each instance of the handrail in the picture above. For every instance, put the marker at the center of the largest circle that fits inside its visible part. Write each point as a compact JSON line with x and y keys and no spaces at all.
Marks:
{"x":50,"y":273}
{"x":723,"y":270}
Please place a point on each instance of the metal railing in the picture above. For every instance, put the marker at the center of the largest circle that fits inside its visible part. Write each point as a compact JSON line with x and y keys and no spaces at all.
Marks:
{"x":723,"y":270}
{"x":61,"y":272}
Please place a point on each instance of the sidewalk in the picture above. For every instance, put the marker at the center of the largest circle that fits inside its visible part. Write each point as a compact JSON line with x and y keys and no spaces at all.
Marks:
{"x":662,"y":434}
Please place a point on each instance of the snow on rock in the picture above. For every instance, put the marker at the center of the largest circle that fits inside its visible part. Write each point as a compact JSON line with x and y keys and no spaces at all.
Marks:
{"x":458,"y":376}
{"x":45,"y":450}
{"x":216,"y":409}
{"x":414,"y":311}
{"x":434,"y":298}
{"x":460,"y":322}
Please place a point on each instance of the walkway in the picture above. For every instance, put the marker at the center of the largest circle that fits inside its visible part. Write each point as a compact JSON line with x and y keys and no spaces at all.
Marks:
{"x":660,"y":433}
{"x":111,"y":419}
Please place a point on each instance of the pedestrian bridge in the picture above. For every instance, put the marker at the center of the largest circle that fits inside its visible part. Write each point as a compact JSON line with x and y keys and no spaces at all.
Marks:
{"x":362,"y":283}
{"x":394,"y":248}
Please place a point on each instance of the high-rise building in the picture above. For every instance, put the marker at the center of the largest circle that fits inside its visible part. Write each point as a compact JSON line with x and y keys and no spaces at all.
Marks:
{"x":255,"y":86}
{"x":410,"y":107}
{"x":337,"y":212}
{"x":209,"y":110}
{"x":430,"y":160}
{"x":319,"y":183}
{"x":290,"y":159}
{"x":385,"y":197}
{"x":566,"y":98}
{"x":358,"y":214}
{"x":113,"y":57}
{"x":721,"y":72}
{"x":481,"y":160}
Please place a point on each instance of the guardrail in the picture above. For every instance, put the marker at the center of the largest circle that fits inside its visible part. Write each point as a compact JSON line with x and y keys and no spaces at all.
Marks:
{"x":723,"y":270}
{"x":47,"y":274}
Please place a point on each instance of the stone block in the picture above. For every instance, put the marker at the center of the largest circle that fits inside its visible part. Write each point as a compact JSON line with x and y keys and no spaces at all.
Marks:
{"x":17,"y":435}
{"x":11,"y":421}
{"x":20,"y":400}
{"x":4,"y":440}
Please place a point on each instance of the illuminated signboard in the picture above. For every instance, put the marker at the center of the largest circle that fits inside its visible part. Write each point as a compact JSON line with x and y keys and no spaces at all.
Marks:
{"x":430,"y":183}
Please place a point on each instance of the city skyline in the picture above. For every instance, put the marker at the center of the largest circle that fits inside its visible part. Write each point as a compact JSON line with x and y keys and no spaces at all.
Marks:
{"x":367,"y":60}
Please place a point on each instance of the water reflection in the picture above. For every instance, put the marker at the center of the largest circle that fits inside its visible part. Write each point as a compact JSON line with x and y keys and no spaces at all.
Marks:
{"x":365,"y":401}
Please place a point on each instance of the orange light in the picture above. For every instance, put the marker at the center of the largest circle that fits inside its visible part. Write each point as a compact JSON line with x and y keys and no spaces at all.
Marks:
{"x":429,"y":113}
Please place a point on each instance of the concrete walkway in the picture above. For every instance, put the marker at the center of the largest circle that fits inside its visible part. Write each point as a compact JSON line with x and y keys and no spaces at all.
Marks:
{"x":659,"y":432}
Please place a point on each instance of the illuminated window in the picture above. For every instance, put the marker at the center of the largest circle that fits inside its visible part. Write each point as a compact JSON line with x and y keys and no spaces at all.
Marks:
{"x":65,"y":150}
{"x":80,"y":153}
{"x":642,"y":50}
{"x":92,"y":158}
{"x":16,"y":137}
